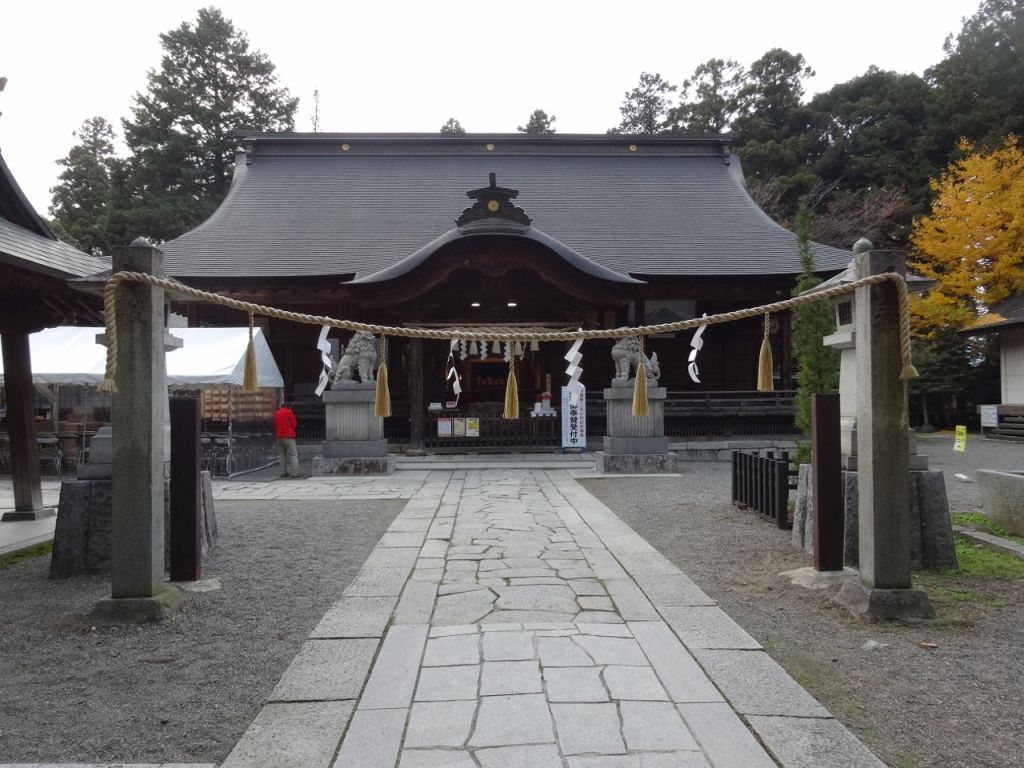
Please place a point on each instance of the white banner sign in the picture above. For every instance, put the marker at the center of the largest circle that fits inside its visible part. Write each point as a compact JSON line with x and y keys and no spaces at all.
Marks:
{"x":989,"y":415}
{"x":574,"y":416}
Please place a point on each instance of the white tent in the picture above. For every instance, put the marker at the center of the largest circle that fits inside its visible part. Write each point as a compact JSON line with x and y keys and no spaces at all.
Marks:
{"x":208,"y":357}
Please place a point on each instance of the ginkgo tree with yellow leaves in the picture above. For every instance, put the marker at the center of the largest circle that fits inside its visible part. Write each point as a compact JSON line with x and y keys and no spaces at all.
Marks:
{"x":972,"y":242}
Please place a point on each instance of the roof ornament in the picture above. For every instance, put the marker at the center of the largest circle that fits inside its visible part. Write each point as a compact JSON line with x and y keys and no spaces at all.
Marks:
{"x":493,"y":202}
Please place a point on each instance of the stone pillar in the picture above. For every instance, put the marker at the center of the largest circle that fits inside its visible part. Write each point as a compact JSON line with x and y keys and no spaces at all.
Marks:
{"x":139,"y":421}
{"x":21,"y":427}
{"x":884,"y":588}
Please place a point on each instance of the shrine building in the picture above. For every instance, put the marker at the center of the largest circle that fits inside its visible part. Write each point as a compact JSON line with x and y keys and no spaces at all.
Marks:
{"x":542,"y":232}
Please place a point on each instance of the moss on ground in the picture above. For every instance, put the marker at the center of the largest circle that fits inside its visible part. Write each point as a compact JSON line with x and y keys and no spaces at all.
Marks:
{"x":26,"y":554}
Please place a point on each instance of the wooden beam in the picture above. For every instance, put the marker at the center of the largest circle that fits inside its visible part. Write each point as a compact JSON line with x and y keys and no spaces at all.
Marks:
{"x":21,"y":426}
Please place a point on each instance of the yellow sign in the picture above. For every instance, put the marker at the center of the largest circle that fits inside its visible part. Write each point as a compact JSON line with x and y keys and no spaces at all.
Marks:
{"x":961,"y":439}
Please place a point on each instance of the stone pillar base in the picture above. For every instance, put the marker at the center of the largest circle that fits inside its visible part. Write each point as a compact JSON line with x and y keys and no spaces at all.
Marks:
{"x":137,"y":610}
{"x":632,"y":445}
{"x":636,"y":463}
{"x":354,"y":465}
{"x":28,"y":514}
{"x":348,"y":449}
{"x":874,"y":604}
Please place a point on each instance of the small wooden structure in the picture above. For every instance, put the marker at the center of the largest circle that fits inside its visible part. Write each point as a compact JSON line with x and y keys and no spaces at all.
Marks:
{"x":34,"y":294}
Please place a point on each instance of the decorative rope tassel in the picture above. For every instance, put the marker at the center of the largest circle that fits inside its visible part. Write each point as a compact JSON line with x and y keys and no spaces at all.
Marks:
{"x":511,"y":392}
{"x":765,"y":366}
{"x":640,"y":405}
{"x":382,"y":401}
{"x":250,"y":378}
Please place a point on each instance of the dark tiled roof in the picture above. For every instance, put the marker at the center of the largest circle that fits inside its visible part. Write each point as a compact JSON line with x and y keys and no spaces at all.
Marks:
{"x":27,"y":242}
{"x":303,"y":206}
{"x":1003,"y":315}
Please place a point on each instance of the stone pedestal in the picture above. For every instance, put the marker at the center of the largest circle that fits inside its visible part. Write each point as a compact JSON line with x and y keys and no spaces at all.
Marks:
{"x":1002,"y":495}
{"x":355,"y":443}
{"x":931,"y":533}
{"x":635,"y":444}
{"x":878,"y":604}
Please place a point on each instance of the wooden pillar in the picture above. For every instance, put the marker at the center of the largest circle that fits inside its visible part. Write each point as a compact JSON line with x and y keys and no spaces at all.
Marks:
{"x":28,"y":495}
{"x":416,"y":405}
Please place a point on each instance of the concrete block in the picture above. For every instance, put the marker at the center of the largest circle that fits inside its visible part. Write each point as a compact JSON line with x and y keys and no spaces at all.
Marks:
{"x":508,"y":720}
{"x":382,"y":465}
{"x":627,"y":445}
{"x":723,"y":736}
{"x":344,"y":449}
{"x":1002,"y":495}
{"x":373,"y":738}
{"x":355,"y":617}
{"x":588,"y":729}
{"x":297,"y":735}
{"x":756,"y":685}
{"x":682,"y":677}
{"x":636,"y":463}
{"x":393,"y":677}
{"x":708,"y":627}
{"x":876,"y":604}
{"x":326,"y":670}
{"x":439,"y":723}
{"x":813,"y":743}
{"x":137,"y":610}
{"x":653,"y":725}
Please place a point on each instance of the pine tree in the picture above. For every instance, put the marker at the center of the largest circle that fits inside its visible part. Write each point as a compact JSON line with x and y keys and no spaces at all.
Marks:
{"x":79,"y":202}
{"x":452,"y":126}
{"x":817,"y":365}
{"x":646,"y":108}
{"x":539,"y":124}
{"x":183,"y":133}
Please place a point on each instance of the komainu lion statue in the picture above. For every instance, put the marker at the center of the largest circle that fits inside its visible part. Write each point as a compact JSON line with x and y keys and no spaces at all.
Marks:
{"x":360,"y":355}
{"x":625,"y":353}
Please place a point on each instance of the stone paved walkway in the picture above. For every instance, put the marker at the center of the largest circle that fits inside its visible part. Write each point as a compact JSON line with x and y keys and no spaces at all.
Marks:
{"x":508,"y":619}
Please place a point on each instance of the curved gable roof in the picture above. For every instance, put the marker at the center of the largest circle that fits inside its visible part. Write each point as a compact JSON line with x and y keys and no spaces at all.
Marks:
{"x":330,"y":204}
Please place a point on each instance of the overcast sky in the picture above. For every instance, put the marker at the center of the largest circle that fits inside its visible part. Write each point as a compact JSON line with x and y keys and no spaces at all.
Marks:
{"x":390,"y":65}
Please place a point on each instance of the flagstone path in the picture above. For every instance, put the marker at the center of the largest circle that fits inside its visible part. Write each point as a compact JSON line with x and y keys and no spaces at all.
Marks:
{"x":507,"y":619}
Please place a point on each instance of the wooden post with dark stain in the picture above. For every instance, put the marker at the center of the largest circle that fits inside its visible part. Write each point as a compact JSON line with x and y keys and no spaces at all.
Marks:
{"x":21,"y":426}
{"x":417,"y":407}
{"x":827,"y":472}
{"x":185,"y":528}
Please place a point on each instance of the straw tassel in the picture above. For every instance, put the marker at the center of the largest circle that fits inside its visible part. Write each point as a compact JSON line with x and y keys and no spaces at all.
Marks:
{"x":382,"y":401}
{"x":640,"y":405}
{"x":511,"y":392}
{"x":250,"y":379}
{"x":765,"y":367}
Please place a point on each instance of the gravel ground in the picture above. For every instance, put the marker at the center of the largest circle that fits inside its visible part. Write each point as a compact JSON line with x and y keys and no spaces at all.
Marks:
{"x":958,"y":706}
{"x":184,"y":690}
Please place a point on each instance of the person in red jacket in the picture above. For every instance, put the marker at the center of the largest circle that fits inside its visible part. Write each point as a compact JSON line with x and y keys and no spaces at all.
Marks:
{"x":284,"y":430}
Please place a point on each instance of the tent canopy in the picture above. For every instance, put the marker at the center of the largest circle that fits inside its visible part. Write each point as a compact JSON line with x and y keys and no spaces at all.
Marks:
{"x":208,"y":357}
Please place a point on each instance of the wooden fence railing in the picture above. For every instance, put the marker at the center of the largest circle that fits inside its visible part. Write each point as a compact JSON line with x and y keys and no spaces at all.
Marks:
{"x":761,"y":481}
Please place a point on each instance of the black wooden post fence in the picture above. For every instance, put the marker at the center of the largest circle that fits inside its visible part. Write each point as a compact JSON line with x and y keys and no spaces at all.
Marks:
{"x":761,"y":483}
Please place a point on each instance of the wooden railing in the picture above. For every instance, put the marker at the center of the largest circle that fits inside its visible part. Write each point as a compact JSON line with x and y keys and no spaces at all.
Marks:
{"x":761,"y":481}
{"x":498,"y":434}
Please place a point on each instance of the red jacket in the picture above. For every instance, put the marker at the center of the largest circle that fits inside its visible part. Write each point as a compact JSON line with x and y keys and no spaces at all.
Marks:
{"x":285,"y":423}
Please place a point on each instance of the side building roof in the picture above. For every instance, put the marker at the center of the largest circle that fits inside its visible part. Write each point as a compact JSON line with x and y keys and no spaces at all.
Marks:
{"x":27,"y":242}
{"x":350,"y":205}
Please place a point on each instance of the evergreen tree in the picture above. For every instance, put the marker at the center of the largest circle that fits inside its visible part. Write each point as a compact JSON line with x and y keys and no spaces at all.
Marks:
{"x":183,"y":133}
{"x":980,"y":82}
{"x":452,"y":126}
{"x":775,"y":136}
{"x":817,"y":365}
{"x":539,"y":124}
{"x":79,"y":202}
{"x":645,"y":109}
{"x":709,"y":98}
